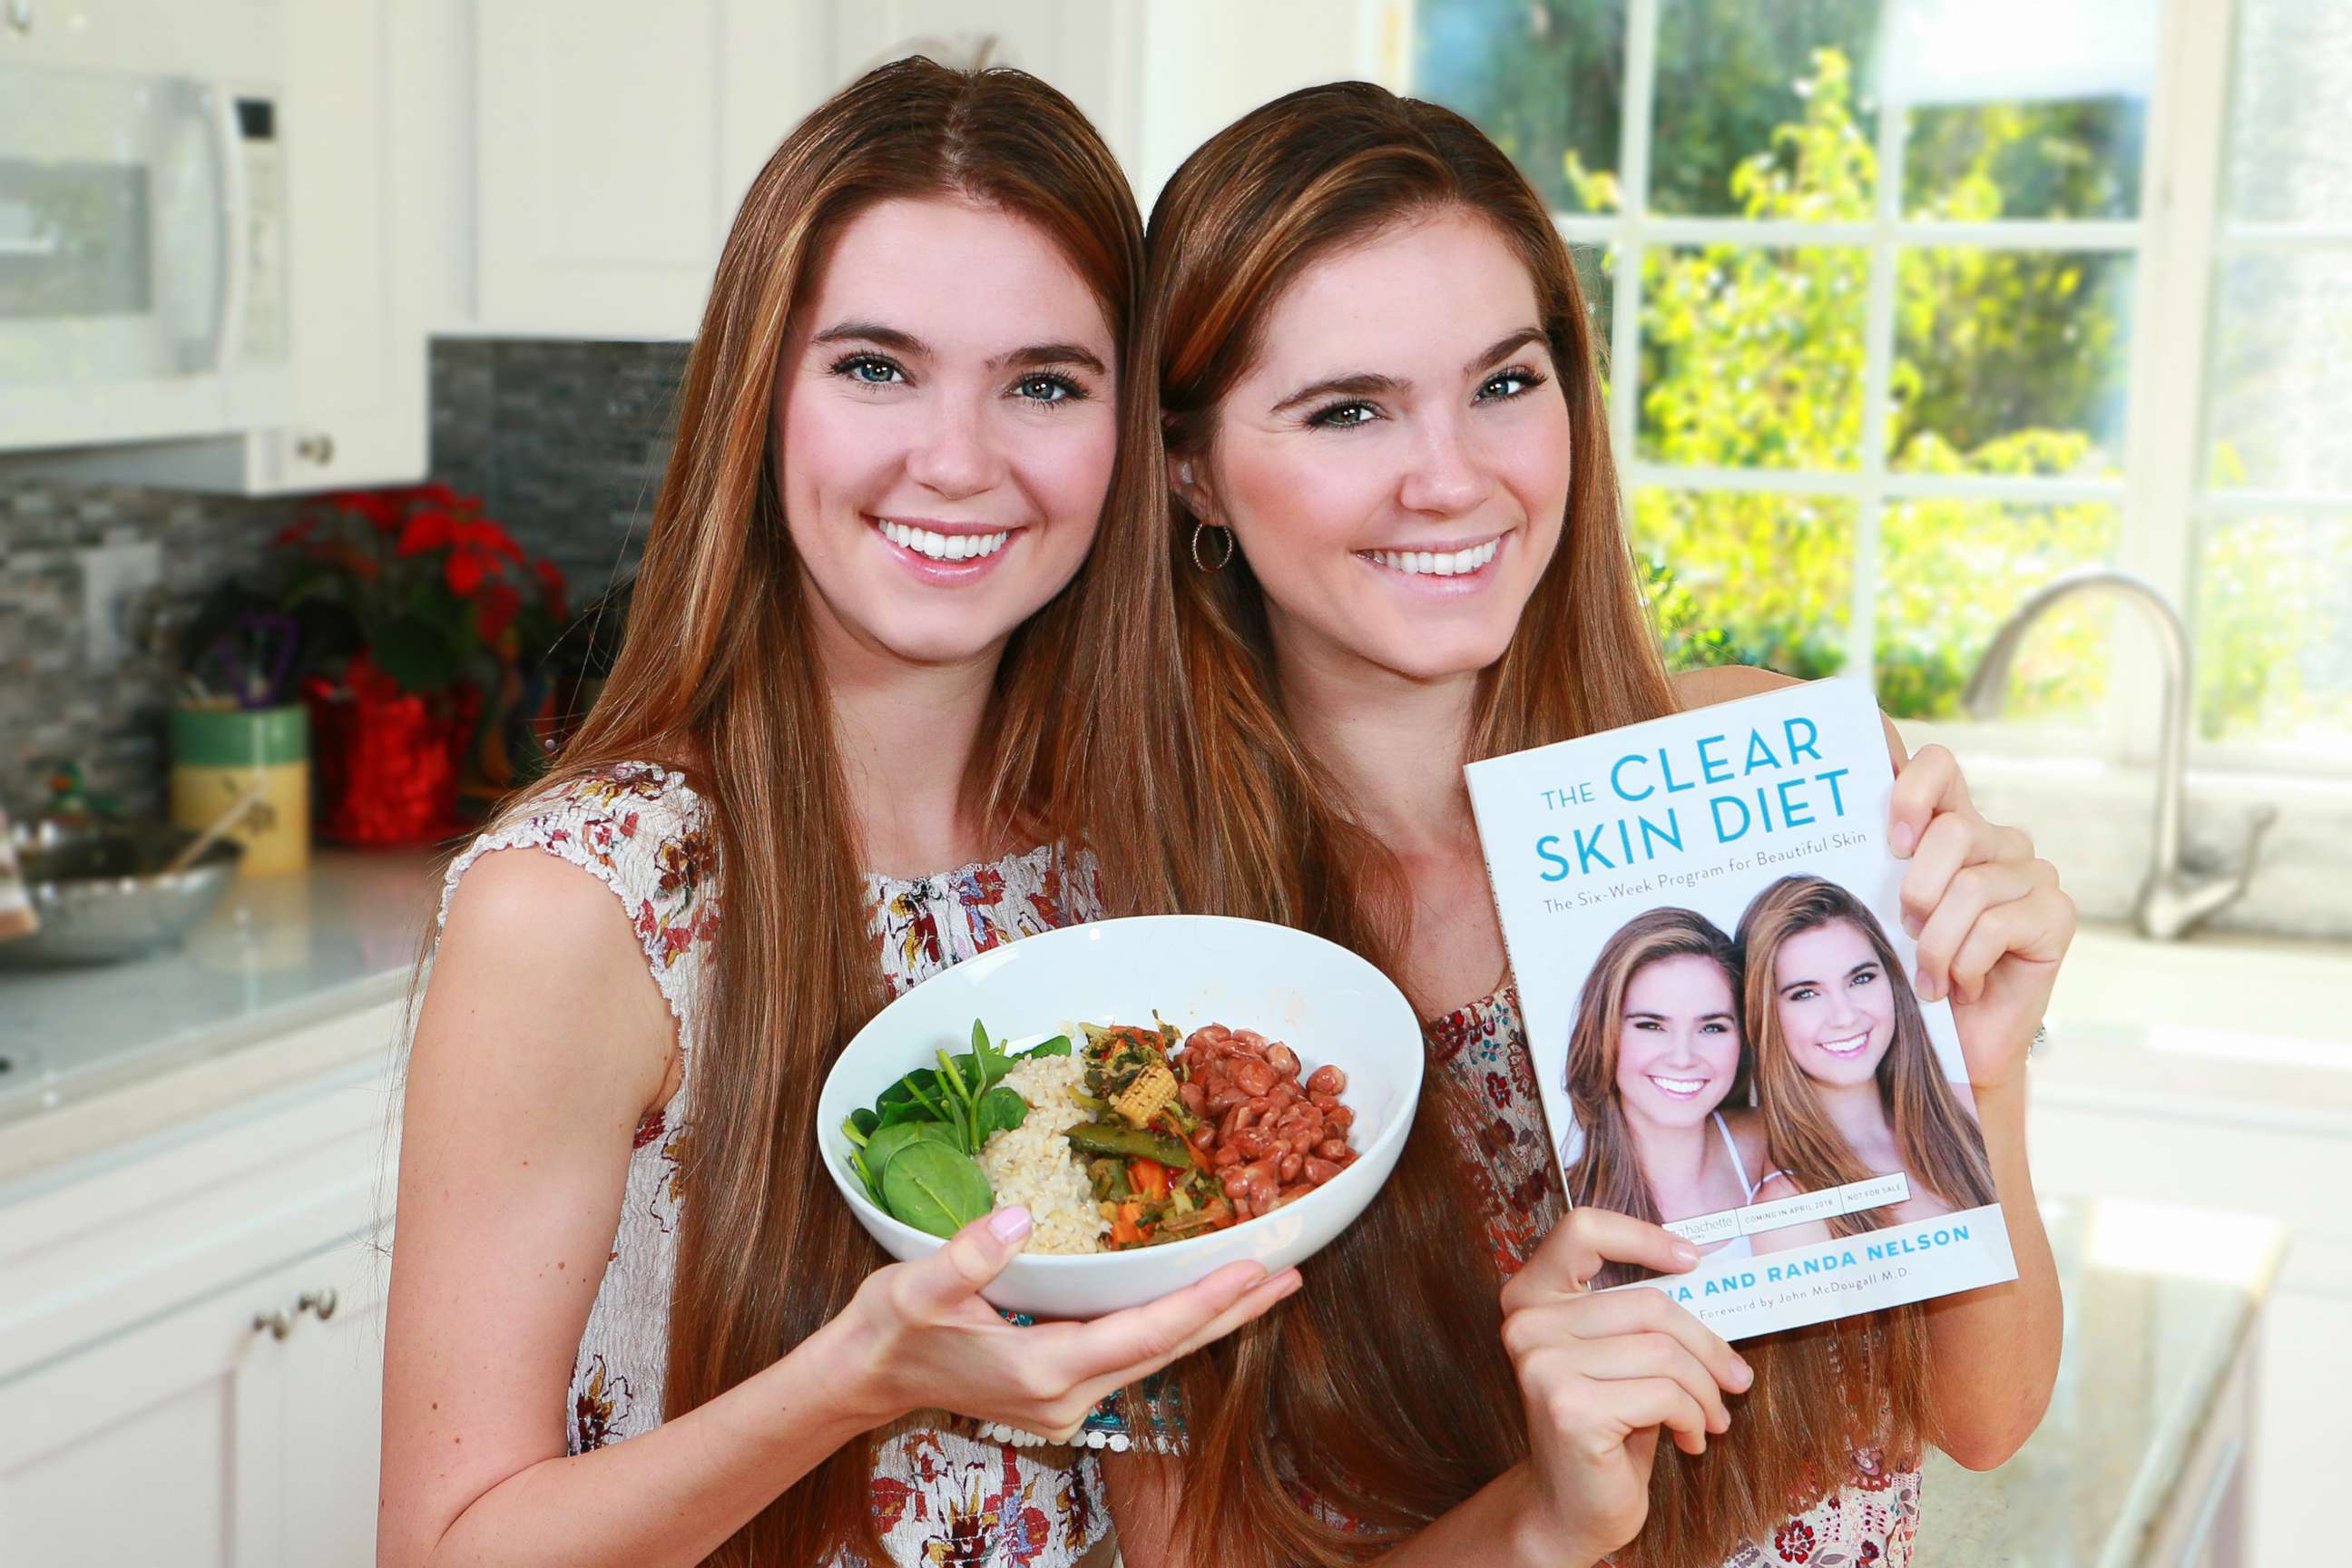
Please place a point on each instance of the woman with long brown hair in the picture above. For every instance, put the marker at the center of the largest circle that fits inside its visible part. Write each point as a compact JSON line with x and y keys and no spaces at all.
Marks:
{"x":1397,"y":549}
{"x":902,"y":429}
{"x":1847,"y":1078}
{"x":1654,"y":1053}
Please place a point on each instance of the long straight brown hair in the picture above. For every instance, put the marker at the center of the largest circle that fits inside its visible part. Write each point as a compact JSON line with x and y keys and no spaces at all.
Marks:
{"x":1607,"y":1169}
{"x":1382,"y":1385}
{"x":717,"y":676}
{"x":1938,"y":1141}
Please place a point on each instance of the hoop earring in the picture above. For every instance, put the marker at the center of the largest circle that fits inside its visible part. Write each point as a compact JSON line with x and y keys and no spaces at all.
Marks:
{"x":1200,"y":527}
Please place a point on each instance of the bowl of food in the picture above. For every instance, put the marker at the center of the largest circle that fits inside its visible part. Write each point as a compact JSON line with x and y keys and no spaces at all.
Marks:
{"x":1166,"y":1094}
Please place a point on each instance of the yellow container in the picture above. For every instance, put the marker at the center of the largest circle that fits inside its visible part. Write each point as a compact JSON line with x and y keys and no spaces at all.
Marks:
{"x":218,"y":754}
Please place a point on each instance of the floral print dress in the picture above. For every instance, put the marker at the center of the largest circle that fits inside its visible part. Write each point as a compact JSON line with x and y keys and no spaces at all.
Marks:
{"x":939,"y":1495}
{"x":1868,"y":1522}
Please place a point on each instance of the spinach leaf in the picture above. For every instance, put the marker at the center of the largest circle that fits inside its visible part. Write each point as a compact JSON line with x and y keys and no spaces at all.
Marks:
{"x":861,"y":1125}
{"x":1000,"y":1110}
{"x":1059,"y":1046}
{"x":935,"y":1188}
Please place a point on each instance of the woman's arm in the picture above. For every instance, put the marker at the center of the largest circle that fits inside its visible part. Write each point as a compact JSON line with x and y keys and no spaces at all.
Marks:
{"x":542,"y":1042}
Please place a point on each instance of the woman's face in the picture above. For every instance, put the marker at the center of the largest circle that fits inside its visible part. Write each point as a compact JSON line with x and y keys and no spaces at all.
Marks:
{"x":1836,"y":1004}
{"x":946,"y":420}
{"x":1395,"y":466}
{"x":1678,"y":1045}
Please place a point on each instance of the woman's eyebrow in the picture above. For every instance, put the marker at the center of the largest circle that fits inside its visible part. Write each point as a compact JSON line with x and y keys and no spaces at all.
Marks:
{"x":1038,"y":354}
{"x":873,"y":332}
{"x":1356,"y":384}
{"x":1511,"y":342}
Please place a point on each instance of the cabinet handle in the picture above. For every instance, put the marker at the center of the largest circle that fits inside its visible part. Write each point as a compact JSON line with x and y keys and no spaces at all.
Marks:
{"x":319,"y":448}
{"x":320,"y":1301}
{"x":279,"y":1324}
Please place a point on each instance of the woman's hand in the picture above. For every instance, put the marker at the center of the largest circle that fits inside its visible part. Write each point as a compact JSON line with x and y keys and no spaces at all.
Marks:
{"x":924,"y":1340}
{"x":1990,"y":918}
{"x":1600,"y":1373}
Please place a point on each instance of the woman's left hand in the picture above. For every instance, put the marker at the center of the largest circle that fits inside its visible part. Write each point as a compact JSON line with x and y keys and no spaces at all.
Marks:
{"x":1990,"y":918}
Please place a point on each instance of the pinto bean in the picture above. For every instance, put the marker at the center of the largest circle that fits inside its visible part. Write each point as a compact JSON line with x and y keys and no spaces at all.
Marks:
{"x":1253,"y":1143}
{"x":1283,"y":1095}
{"x":1223,"y":1099}
{"x":1223,"y":1156}
{"x":1205,"y":1136}
{"x":1321,"y":1171}
{"x":1292,"y":1195}
{"x":1254,"y":1076}
{"x":1326,"y":1079}
{"x":1251,"y":1042}
{"x":1333,"y":1149}
{"x":1339,"y":1118}
{"x":1287,"y":1167}
{"x":1194,"y":1098}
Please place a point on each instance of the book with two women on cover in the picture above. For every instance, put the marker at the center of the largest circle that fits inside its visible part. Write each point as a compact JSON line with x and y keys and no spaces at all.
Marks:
{"x":1704,"y":922}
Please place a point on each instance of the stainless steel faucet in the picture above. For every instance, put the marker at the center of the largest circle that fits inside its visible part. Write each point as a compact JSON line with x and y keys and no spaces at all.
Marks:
{"x":2177,"y":893}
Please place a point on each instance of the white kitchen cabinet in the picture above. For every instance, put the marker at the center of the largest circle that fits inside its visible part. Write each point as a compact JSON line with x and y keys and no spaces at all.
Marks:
{"x":348,"y":117}
{"x":150,"y":1410}
{"x":614,"y":141}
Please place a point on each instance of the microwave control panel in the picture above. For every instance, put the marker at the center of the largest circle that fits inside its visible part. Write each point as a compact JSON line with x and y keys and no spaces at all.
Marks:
{"x":266,"y":303}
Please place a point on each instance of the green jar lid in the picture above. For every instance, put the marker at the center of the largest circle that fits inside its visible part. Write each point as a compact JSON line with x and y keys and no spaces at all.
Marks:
{"x":240,"y":738}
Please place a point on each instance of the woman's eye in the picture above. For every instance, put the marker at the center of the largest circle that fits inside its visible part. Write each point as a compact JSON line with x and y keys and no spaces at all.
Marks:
{"x":1511,"y":383}
{"x":1342,"y":415}
{"x":1803,"y":993}
{"x":869,"y":370}
{"x":1048,"y":389}
{"x":1865,"y":977}
{"x":1714,"y":1027}
{"x":1652,"y":1025}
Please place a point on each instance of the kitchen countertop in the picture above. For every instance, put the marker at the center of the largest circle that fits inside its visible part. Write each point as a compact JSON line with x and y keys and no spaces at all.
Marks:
{"x":2160,"y":1303}
{"x":104,"y":1054}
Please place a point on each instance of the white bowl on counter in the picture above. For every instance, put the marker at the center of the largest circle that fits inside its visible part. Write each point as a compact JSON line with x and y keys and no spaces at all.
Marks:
{"x":1327,"y":1004}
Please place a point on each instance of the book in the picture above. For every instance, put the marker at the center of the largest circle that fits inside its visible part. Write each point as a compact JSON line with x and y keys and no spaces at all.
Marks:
{"x":1705,"y":926}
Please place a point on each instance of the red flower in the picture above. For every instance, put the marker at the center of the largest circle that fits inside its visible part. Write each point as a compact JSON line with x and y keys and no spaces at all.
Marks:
{"x":384,"y":510}
{"x":496,"y":611}
{"x":427,"y":531}
{"x":465,"y":570}
{"x":489,"y":539}
{"x":295,"y":533}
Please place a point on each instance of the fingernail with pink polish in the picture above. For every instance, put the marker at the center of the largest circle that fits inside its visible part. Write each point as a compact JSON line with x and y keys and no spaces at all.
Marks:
{"x":1685,"y":1253}
{"x":1903,"y":837}
{"x":1009,"y":1225}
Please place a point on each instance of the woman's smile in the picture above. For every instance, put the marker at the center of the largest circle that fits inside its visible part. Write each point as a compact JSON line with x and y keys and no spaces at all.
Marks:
{"x":941,"y":552}
{"x":1448,"y":566}
{"x":1849,"y":1046}
{"x":1681,"y":1088}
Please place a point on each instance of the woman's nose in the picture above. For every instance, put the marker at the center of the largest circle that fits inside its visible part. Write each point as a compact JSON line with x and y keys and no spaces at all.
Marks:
{"x":957,"y":456}
{"x":1444,"y":479}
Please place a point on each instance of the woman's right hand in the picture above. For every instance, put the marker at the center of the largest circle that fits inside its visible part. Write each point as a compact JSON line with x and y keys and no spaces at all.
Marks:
{"x":1601,"y":1373}
{"x":924,"y":1340}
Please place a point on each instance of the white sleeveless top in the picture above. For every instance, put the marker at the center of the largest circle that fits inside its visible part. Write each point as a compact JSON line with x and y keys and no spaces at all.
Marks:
{"x":938,"y":1496}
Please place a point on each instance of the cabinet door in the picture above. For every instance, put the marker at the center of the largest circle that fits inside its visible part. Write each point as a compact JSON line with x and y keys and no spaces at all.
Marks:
{"x":598,"y":205}
{"x":177,"y":1441}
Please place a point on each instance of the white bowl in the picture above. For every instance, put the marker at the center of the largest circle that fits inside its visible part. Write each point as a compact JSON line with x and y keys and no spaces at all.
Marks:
{"x":1326,"y":1003}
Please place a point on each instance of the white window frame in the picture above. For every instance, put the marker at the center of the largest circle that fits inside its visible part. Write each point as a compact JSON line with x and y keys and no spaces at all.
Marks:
{"x":2177,"y":243}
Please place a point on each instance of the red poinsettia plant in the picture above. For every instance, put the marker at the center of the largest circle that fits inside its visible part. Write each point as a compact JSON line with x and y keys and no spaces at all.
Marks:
{"x":415,"y":586}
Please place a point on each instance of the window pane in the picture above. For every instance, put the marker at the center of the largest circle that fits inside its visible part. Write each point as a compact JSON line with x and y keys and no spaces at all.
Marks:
{"x":1975,"y":163}
{"x":1543,"y":78}
{"x":2021,"y":109}
{"x":2280,"y":410}
{"x":2286,"y":161}
{"x":2010,"y":362}
{"x":1747,"y":578}
{"x":1752,"y":357}
{"x":1950,"y":572}
{"x":2273,"y":630}
{"x":1757,"y":111}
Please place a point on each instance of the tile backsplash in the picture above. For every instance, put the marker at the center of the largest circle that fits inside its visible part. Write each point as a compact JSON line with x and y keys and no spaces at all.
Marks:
{"x":565,"y":441}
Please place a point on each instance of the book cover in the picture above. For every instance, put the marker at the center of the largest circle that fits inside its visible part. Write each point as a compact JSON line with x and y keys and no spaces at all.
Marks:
{"x":1705,"y":926}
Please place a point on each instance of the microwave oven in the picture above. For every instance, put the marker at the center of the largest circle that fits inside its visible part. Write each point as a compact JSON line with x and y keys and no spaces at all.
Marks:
{"x":143,"y":257}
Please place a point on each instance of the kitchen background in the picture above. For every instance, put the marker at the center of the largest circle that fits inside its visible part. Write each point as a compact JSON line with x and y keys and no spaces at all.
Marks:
{"x":1913,"y":308}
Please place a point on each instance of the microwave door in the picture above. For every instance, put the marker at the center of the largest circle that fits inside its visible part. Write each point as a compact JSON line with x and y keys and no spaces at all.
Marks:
{"x":119,"y":235}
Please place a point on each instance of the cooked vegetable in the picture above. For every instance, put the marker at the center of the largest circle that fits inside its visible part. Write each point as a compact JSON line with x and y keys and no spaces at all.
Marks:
{"x":1153,"y":1089}
{"x":1134,"y":1143}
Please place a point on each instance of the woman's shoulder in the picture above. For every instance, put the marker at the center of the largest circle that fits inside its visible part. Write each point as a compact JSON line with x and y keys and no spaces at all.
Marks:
{"x":638,"y":829}
{"x":1723,"y":683}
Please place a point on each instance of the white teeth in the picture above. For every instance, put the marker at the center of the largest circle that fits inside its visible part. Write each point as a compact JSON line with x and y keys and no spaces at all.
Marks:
{"x":1679,"y":1085}
{"x":942,"y":546}
{"x":1450,"y":563}
{"x":1847,"y":1047}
